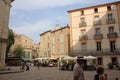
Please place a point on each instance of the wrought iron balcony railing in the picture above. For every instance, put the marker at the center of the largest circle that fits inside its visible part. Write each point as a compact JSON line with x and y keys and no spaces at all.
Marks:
{"x":84,"y":37}
{"x":112,"y":35}
{"x":82,"y":24}
{"x":99,"y":52}
{"x":97,"y":23}
{"x":98,"y":36}
{"x":110,"y":21}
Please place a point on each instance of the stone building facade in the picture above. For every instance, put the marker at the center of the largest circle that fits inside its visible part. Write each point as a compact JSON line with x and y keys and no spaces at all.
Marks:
{"x":60,"y":42}
{"x":26,"y":43}
{"x":5,"y":6}
{"x":54,"y":43}
{"x":95,"y":30}
{"x":35,"y":50}
{"x":45,"y":43}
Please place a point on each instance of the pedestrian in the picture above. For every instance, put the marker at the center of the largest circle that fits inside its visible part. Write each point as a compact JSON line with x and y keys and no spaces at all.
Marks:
{"x":100,"y":74}
{"x":38,"y":65}
{"x":78,"y":69}
{"x":23,"y":66}
{"x":27,"y":66}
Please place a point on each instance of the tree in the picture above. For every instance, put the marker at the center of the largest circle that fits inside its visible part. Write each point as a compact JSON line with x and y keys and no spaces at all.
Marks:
{"x":10,"y":41}
{"x":19,"y":51}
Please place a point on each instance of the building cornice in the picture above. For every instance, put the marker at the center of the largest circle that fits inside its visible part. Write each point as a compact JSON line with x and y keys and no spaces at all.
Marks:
{"x":45,"y":32}
{"x":118,"y":2}
{"x":8,"y":2}
{"x":61,"y":28}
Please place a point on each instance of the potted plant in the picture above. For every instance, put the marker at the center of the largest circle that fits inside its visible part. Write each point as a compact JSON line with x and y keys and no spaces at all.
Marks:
{"x":110,"y":65}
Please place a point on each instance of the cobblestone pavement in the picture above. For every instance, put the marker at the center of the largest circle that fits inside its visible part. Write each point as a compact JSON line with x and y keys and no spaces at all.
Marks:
{"x":53,"y":73}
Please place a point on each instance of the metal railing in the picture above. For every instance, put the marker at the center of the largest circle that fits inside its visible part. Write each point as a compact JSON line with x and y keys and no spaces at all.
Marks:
{"x":84,"y":37}
{"x":100,"y":52}
{"x":112,"y":35}
{"x":110,"y":21}
{"x":97,"y":23}
{"x":98,"y":36}
{"x":82,"y":24}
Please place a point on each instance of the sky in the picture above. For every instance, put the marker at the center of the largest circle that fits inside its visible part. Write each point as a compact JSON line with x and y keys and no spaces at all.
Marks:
{"x":33,"y":17}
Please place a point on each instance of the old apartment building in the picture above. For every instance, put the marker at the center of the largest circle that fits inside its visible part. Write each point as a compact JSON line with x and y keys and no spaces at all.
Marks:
{"x":45,"y":43}
{"x":95,"y":30}
{"x":5,"y":6}
{"x":35,"y":50}
{"x":26,"y":43}
{"x":54,"y":43}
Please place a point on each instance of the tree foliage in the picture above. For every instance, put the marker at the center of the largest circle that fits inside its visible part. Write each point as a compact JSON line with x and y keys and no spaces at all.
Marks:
{"x":10,"y":41}
{"x":19,"y":51}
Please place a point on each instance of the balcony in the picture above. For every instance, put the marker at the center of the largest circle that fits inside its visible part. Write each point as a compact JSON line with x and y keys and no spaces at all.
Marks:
{"x":112,"y":21}
{"x":97,"y":23}
{"x":103,"y":52}
{"x":84,"y":37}
{"x":82,"y":24}
{"x":98,"y":36}
{"x":110,"y":51}
{"x":83,"y":51}
{"x":112,"y":35}
{"x":106,"y":51}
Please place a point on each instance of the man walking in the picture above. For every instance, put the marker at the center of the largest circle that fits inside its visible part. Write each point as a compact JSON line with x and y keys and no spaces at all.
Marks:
{"x":78,"y":69}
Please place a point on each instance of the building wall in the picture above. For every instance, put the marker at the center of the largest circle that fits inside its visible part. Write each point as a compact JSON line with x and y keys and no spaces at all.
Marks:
{"x":26,"y":43}
{"x":118,"y":10}
{"x":60,"y":42}
{"x":5,"y":6}
{"x":35,"y":51}
{"x":45,"y":39}
{"x":90,"y":30}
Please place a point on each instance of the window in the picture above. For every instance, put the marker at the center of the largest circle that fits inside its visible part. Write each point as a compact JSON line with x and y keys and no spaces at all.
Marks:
{"x":97,"y":30}
{"x":109,"y":16}
{"x":108,"y":8}
{"x":83,"y":47}
{"x":82,"y":12}
{"x":82,"y":23}
{"x":61,"y":38}
{"x":98,"y":44}
{"x":48,"y":37}
{"x":53,"y":40}
{"x":53,"y":50}
{"x":96,"y":18}
{"x":114,"y":60}
{"x":61,"y":49}
{"x":48,"y":45}
{"x":100,"y":60}
{"x":82,"y":20}
{"x":96,"y":10}
{"x":83,"y":32}
{"x":112,"y":46}
{"x":111,"y":30}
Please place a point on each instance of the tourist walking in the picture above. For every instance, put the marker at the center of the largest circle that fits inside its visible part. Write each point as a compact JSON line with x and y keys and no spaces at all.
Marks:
{"x":78,"y":69}
{"x":27,"y":66}
{"x":38,"y":65}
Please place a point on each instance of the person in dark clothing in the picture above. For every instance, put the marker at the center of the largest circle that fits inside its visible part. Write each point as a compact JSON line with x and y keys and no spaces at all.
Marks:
{"x":27,"y":66}
{"x":38,"y":65}
{"x":100,"y":74}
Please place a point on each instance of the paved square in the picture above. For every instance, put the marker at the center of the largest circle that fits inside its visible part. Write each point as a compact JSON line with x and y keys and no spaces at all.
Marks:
{"x":53,"y":73}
